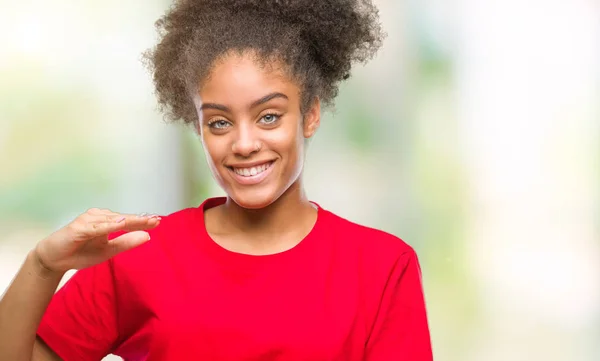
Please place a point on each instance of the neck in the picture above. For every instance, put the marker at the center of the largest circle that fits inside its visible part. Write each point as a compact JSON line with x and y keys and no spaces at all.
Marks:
{"x":279,"y":217}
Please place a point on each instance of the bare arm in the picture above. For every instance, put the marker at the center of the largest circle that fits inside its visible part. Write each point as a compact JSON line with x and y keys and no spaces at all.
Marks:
{"x":21,"y":309}
{"x":41,"y":352}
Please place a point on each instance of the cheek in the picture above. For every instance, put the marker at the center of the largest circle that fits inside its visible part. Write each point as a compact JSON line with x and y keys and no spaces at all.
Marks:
{"x":289,"y":143}
{"x":213,"y":149}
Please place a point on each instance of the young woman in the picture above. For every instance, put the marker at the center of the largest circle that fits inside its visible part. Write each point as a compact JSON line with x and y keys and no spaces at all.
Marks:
{"x":263,"y":274}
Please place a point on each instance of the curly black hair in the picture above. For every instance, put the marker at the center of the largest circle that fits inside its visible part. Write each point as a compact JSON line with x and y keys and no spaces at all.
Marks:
{"x":317,"y":40}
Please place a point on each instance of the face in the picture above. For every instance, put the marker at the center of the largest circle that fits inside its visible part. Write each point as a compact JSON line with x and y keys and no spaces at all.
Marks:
{"x":253,"y":130}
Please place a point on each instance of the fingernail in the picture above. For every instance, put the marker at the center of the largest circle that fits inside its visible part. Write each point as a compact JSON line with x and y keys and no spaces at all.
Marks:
{"x":120,"y":220}
{"x":143,"y":214}
{"x":155,"y":216}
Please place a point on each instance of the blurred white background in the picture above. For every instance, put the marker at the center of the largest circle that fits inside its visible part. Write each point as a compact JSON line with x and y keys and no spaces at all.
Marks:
{"x":474,"y":136}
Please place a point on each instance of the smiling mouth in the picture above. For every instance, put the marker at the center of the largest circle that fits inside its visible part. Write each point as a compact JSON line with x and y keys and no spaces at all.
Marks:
{"x":251,"y":171}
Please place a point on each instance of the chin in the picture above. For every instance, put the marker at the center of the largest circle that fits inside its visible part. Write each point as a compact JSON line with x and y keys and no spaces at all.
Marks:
{"x":253,"y":199}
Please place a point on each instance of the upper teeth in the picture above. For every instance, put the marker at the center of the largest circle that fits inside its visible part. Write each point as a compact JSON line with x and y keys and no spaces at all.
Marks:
{"x":248,"y":172}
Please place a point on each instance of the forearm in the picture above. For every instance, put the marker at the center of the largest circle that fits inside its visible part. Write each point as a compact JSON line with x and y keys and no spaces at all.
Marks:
{"x":22,"y":307}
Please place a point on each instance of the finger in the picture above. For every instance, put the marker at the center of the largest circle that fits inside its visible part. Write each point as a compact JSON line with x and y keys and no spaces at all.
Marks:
{"x":131,"y":220}
{"x":95,"y":215}
{"x":136,"y":224}
{"x":127,"y":241}
{"x":102,"y":229}
{"x":139,"y":222}
{"x":106,"y":218}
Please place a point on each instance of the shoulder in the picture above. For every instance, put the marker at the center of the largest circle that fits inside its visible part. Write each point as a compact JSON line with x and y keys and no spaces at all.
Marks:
{"x":377,"y":258}
{"x":175,"y":232}
{"x":373,"y":244}
{"x":181,"y":221}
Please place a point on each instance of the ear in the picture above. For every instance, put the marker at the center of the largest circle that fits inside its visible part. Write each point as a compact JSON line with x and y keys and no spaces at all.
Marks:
{"x":312,"y":118}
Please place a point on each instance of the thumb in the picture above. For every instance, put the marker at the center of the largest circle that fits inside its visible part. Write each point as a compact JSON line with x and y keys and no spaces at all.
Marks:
{"x":128,"y":241}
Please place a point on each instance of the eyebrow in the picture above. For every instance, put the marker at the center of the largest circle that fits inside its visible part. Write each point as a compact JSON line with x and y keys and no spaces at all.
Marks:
{"x":256,"y":103}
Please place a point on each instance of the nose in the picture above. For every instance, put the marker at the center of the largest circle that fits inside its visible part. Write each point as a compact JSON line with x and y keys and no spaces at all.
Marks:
{"x":246,"y":142}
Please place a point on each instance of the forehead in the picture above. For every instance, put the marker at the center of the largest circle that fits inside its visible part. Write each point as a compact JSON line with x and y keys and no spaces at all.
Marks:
{"x":238,"y":77}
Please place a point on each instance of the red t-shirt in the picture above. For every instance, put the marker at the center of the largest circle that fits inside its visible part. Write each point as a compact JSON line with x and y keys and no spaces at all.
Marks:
{"x":345,"y":292}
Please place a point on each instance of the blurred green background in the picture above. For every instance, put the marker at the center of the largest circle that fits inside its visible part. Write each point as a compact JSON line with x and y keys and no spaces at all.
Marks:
{"x":474,"y":136}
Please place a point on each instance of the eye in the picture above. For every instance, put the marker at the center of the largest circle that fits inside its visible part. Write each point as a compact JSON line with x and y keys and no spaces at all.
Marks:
{"x":270,"y":118}
{"x":219,"y":124}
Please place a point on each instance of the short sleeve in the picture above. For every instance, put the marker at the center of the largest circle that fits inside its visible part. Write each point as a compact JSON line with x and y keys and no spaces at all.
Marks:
{"x":80,"y":322}
{"x":401,"y":330}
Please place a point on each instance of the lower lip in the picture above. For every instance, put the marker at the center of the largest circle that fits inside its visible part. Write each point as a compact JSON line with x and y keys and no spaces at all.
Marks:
{"x":253,"y":179}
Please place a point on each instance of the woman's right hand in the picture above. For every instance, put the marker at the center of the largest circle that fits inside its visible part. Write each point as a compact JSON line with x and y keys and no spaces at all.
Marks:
{"x":84,"y":242}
